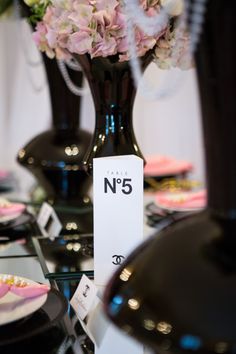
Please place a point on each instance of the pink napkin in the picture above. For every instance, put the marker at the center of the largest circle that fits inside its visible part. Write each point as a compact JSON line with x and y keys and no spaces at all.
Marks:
{"x":28,"y":291}
{"x":164,"y":165}
{"x":4,"y":288}
{"x":11,"y":209}
{"x":182,"y":200}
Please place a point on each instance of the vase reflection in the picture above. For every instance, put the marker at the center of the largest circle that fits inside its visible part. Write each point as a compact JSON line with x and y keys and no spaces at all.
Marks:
{"x":55,"y":157}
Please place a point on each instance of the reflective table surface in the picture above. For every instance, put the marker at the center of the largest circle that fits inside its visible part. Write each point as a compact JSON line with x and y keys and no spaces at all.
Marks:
{"x":59,"y":262}
{"x":48,"y":262}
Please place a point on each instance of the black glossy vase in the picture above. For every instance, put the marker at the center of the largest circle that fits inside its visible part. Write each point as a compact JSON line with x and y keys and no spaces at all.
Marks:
{"x":55,"y":157}
{"x":113,"y":93}
{"x":177,"y":292}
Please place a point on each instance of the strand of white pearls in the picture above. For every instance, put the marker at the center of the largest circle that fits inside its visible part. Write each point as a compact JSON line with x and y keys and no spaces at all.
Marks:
{"x":76,"y":90}
{"x":196,"y":21}
{"x":30,"y":63}
{"x":136,"y":16}
{"x":171,"y":81}
{"x":150,"y":25}
{"x":73,"y":65}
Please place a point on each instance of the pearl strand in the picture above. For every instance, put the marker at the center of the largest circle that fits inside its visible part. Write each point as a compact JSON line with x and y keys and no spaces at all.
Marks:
{"x":171,"y":83}
{"x":78,"y":91}
{"x":196,"y":21}
{"x":73,"y":65}
{"x":23,"y":46}
{"x":150,"y":25}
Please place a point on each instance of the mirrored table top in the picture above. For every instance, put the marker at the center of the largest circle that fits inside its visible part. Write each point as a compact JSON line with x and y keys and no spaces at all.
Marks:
{"x":59,"y":262}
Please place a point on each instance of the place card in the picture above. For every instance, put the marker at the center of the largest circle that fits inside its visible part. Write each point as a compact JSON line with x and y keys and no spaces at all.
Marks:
{"x":89,"y":310}
{"x":48,"y":221}
{"x":118,"y":229}
{"x":84,"y":297}
{"x":118,"y":212}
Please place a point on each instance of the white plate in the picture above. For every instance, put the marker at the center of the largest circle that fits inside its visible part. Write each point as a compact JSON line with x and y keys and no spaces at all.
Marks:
{"x":180,"y":209}
{"x":13,"y":307}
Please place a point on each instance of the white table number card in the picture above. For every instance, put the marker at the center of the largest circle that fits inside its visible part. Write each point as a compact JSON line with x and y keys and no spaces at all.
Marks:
{"x":118,"y":228}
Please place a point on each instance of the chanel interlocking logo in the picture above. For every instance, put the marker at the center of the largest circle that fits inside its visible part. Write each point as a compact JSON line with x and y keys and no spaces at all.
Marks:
{"x":117,"y":259}
{"x":85,"y":293}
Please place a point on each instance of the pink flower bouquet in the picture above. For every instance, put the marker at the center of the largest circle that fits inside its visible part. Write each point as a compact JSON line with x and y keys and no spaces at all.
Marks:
{"x":99,"y":28}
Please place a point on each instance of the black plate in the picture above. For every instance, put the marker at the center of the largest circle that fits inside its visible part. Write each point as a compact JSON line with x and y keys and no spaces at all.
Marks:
{"x":41,"y":332}
{"x":7,"y":184}
{"x":21,"y":227}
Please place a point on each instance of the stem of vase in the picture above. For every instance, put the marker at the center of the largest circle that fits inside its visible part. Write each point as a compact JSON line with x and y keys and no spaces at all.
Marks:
{"x":65,"y":105}
{"x":113,"y":93}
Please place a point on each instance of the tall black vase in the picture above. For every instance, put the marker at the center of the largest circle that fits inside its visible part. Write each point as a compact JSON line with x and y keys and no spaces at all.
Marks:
{"x":55,"y":157}
{"x":177,"y":292}
{"x":113,"y":91}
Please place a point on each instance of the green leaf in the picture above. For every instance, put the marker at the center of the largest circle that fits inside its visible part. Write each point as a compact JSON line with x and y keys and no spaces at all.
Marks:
{"x":38,"y":11}
{"x":4,"y":5}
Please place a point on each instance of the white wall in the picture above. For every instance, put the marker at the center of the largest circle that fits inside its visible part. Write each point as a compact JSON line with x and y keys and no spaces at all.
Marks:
{"x":23,"y":112}
{"x":170,"y":126}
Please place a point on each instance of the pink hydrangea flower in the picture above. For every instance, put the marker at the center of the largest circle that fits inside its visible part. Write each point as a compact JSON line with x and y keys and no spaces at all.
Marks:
{"x":99,"y":28}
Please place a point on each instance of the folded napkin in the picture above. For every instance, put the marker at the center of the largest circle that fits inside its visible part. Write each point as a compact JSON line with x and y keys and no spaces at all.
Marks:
{"x":30,"y":290}
{"x":164,"y":165}
{"x":182,"y":200}
{"x":8,"y":208}
{"x":20,"y":287}
{"x":4,"y":288}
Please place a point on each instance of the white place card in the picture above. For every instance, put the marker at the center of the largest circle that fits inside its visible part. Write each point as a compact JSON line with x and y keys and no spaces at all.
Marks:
{"x":89,"y":310}
{"x":84,"y":297}
{"x":118,"y":229}
{"x":48,"y":221}
{"x":118,"y":211}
